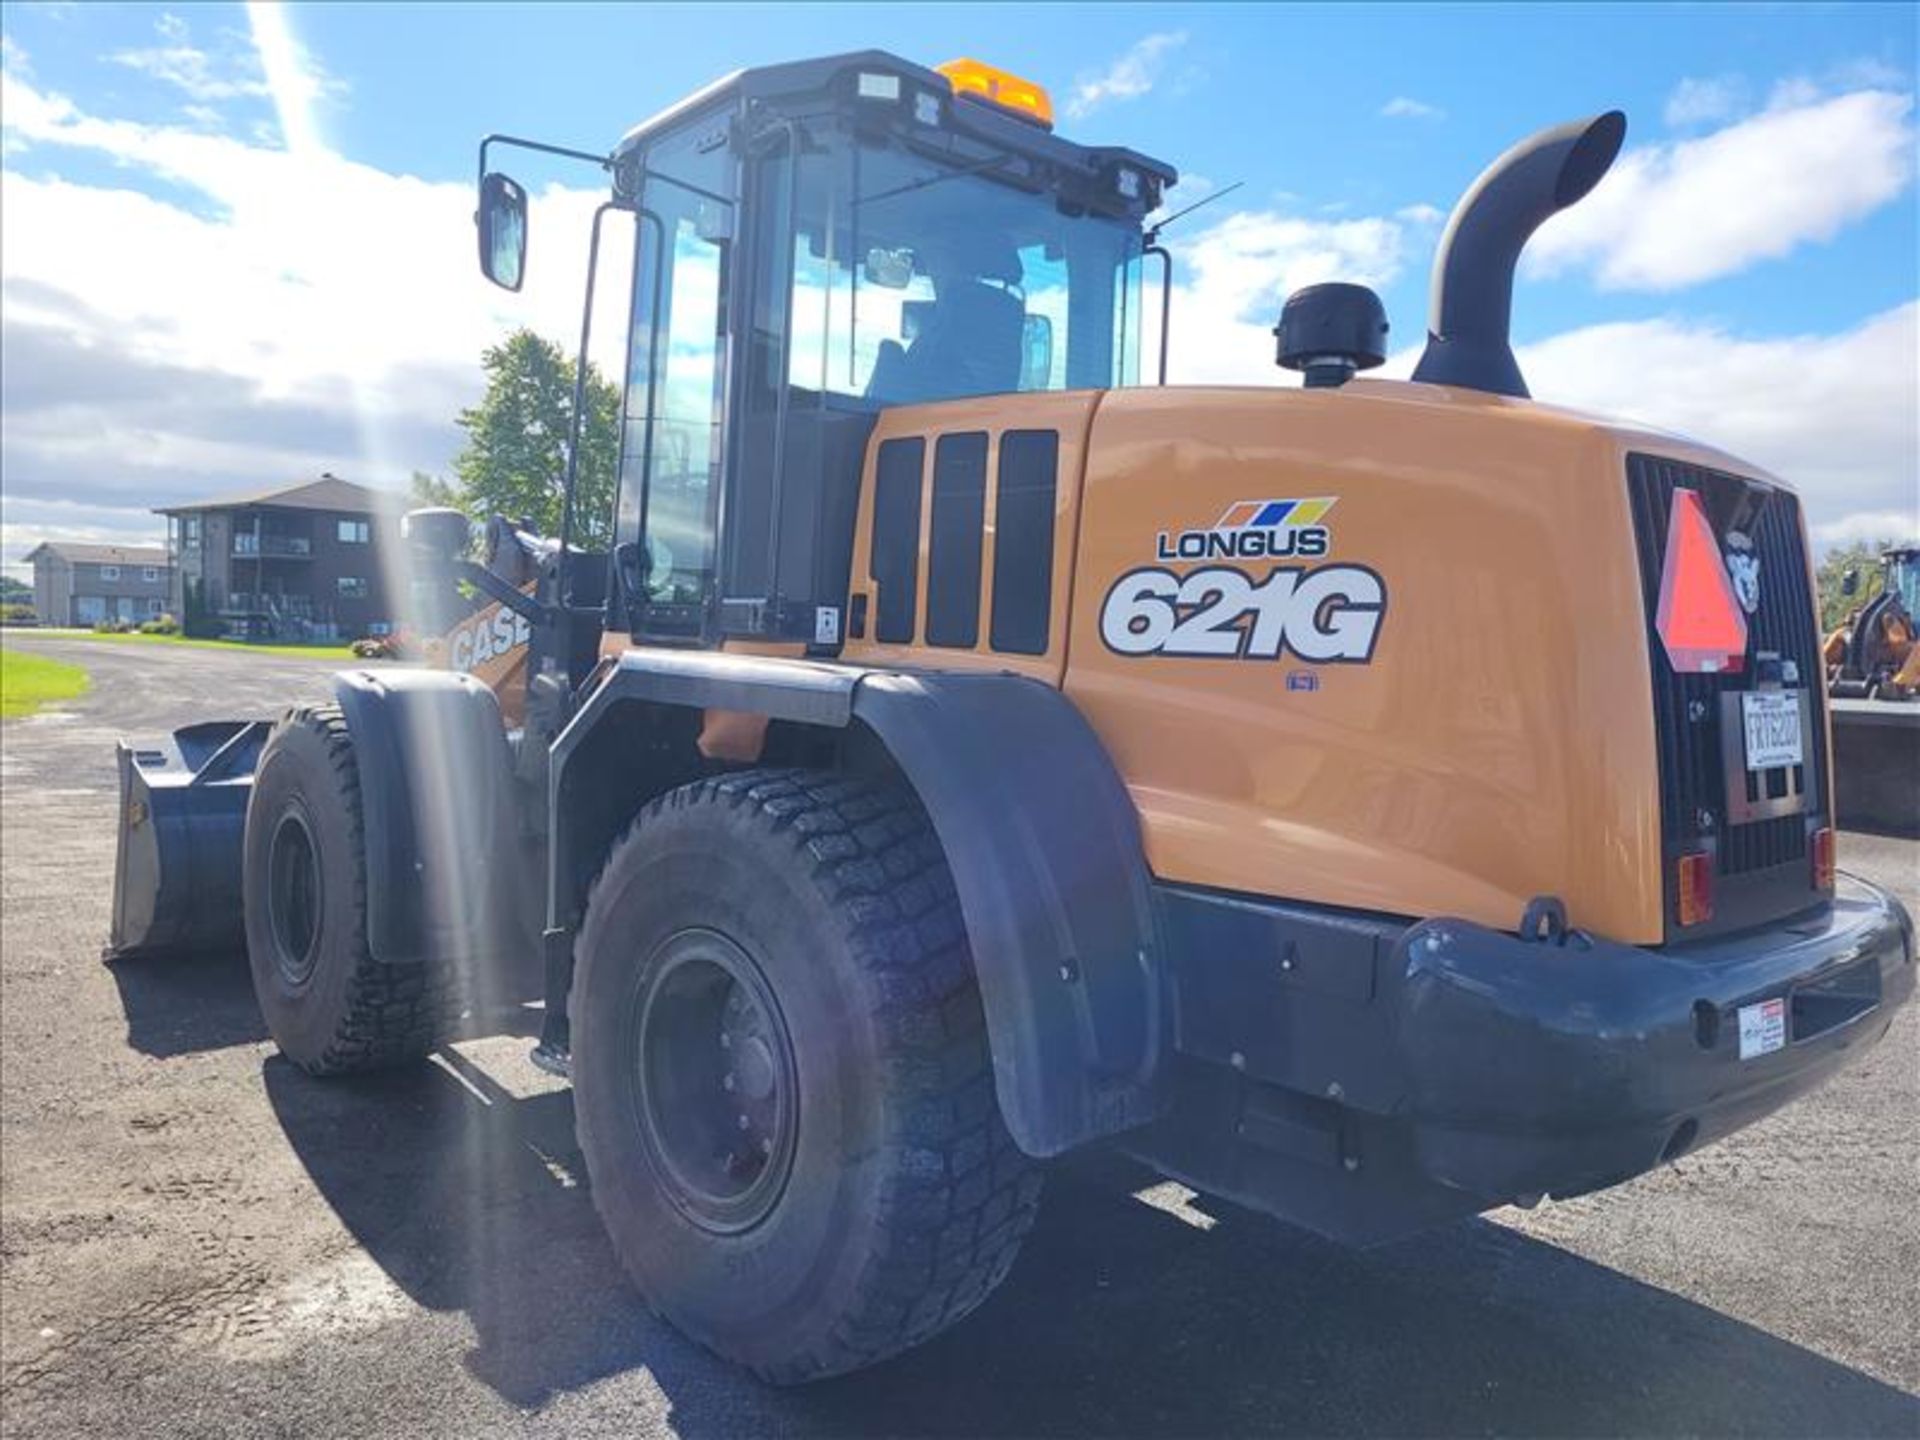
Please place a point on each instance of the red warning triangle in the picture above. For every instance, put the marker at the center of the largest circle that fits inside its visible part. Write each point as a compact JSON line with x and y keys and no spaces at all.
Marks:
{"x":1699,"y":619}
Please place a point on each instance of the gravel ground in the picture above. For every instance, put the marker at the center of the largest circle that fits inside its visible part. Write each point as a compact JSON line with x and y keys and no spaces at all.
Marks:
{"x":195,"y":1239}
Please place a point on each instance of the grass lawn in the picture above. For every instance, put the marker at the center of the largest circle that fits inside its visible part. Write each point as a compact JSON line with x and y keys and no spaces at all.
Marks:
{"x":313,"y":652}
{"x":29,"y":681}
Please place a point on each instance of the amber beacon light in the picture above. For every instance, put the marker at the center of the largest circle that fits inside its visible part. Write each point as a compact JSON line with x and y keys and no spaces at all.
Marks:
{"x":984,"y":82}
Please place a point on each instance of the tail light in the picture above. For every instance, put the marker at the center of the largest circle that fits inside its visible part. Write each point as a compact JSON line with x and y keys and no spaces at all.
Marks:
{"x":1820,"y":850}
{"x":1693,"y":888}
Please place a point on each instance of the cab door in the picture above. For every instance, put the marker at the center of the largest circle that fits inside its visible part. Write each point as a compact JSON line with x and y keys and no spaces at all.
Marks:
{"x":673,"y":442}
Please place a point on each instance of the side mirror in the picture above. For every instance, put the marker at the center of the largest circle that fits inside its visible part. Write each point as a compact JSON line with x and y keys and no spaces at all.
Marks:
{"x":1850,"y":581}
{"x":502,"y":221}
{"x":1036,"y":352}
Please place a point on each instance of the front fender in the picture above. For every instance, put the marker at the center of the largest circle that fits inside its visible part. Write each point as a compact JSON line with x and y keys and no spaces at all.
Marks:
{"x":445,"y":872}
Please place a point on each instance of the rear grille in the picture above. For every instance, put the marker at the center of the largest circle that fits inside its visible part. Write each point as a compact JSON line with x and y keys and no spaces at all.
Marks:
{"x":1688,"y":715}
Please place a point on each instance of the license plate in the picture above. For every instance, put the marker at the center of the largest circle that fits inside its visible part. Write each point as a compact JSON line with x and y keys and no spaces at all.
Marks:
{"x":1763,"y":1028}
{"x":1772,"y":719}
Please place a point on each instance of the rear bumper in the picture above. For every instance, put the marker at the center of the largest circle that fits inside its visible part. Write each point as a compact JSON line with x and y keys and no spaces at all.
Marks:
{"x":1536,"y":1069}
{"x":1367,"y":1078}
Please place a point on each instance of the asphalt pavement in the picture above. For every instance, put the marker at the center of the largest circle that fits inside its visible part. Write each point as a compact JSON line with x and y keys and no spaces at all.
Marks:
{"x":197,"y":1239}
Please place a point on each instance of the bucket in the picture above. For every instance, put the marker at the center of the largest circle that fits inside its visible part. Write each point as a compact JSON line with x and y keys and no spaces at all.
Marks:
{"x":183,"y":817}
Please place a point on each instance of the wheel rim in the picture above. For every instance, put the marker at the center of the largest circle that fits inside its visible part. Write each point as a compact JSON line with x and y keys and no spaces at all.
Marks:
{"x":294,"y":900}
{"x":713,"y":1083}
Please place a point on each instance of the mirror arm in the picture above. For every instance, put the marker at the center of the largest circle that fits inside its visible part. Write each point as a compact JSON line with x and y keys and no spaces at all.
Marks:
{"x":605,"y":162}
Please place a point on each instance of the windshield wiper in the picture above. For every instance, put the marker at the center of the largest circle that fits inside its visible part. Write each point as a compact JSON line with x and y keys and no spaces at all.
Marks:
{"x":979,"y":167}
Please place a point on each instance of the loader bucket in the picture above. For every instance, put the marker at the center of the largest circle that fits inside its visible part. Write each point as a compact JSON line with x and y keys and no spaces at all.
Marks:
{"x":183,"y":813}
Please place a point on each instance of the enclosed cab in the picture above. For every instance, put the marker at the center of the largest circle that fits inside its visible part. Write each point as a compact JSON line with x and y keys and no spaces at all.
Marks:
{"x":1376,"y":802}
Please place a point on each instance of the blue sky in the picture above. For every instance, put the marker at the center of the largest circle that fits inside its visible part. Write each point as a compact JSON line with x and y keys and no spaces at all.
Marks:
{"x":1748,"y":274}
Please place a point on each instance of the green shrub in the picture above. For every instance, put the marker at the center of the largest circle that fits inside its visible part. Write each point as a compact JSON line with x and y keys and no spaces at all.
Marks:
{"x":18,"y":615}
{"x":160,"y":625}
{"x":113,"y":627}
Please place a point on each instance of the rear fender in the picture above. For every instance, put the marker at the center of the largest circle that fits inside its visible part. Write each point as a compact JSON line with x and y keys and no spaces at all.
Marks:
{"x":1041,"y":836}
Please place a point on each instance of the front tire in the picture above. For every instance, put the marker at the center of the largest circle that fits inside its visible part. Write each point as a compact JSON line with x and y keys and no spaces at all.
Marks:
{"x":781,"y":1079}
{"x":329,"y":1005}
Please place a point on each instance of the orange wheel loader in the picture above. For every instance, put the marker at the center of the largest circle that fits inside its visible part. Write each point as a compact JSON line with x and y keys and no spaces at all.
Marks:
{"x":1874,"y":654}
{"x":1374,"y":802}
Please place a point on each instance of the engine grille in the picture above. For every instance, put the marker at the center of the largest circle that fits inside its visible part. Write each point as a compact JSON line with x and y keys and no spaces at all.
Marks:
{"x":1688,"y":714}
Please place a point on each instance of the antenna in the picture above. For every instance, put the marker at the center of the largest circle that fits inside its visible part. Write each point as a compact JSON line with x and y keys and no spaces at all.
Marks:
{"x":1154,"y":234}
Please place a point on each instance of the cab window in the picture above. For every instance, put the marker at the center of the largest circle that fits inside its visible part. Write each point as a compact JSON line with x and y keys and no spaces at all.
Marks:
{"x":673,"y":440}
{"x":915,"y":282}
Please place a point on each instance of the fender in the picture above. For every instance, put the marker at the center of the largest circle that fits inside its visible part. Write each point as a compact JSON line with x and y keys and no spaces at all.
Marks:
{"x":1041,"y":836}
{"x":445,"y":871}
{"x":1044,"y":845}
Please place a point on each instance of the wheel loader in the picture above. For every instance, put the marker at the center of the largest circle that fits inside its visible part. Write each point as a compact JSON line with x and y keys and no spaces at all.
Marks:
{"x":1370,"y":802}
{"x":1873,"y":654}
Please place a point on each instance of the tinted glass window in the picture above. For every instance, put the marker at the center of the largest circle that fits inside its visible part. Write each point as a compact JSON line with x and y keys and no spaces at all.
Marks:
{"x":915,"y":281}
{"x":672,"y":446}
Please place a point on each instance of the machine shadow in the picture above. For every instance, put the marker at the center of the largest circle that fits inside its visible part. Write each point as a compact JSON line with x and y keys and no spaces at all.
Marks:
{"x":1120,"y":1319}
{"x":183,"y":1004}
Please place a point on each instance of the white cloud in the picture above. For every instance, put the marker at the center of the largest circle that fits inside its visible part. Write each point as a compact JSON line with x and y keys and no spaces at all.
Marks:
{"x":1868,"y":527}
{"x":1838,"y":416}
{"x":1405,"y":107}
{"x":298,"y":312}
{"x":1127,"y":78}
{"x":268,"y":64}
{"x":1233,"y":277}
{"x":1702,"y":101}
{"x":201,"y":75}
{"x":1421,"y":214}
{"x":1673,"y":215}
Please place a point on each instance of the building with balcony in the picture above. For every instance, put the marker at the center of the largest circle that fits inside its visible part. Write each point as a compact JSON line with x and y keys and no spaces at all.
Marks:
{"x":79,"y":584}
{"x":300,"y":564}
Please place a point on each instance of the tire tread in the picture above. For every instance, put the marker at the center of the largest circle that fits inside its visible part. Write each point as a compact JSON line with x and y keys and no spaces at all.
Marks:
{"x":957,"y":1196}
{"x":395,"y":1014}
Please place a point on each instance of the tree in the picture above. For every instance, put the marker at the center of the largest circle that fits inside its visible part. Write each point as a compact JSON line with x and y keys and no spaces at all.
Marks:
{"x":515,"y":460}
{"x":15,"y":592}
{"x":1861,"y":556}
{"x":426,"y":491}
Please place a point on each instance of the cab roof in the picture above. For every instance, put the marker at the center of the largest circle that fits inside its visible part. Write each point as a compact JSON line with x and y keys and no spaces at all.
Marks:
{"x":832,"y":78}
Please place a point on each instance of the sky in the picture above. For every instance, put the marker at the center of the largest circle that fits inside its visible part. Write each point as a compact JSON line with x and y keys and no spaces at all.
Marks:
{"x":236,"y":242}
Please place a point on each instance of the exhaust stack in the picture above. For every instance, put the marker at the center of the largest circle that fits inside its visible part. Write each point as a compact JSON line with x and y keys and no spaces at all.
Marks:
{"x":1471,"y":313}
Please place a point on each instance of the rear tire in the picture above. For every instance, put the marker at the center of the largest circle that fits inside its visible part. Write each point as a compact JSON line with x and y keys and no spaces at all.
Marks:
{"x":781,"y":1078}
{"x":329,"y":1005}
